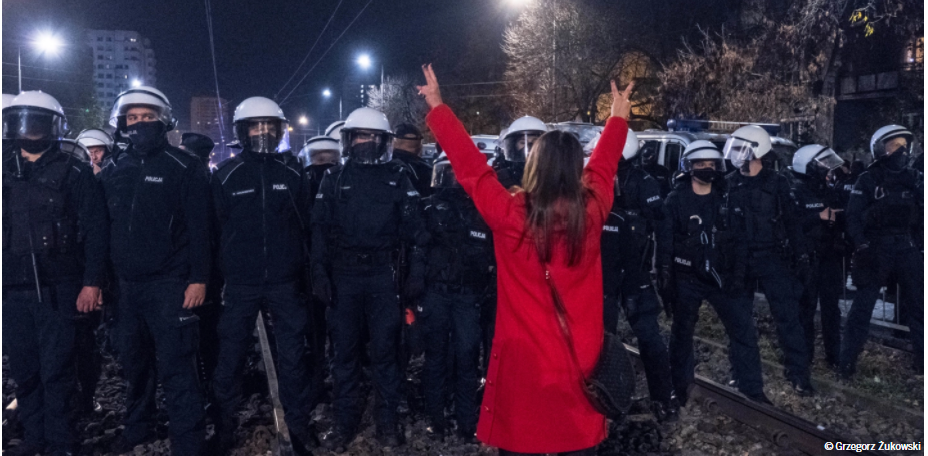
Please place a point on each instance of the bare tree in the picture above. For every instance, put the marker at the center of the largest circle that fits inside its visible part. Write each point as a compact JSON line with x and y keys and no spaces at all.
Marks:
{"x":561,"y":57}
{"x":399,"y":100}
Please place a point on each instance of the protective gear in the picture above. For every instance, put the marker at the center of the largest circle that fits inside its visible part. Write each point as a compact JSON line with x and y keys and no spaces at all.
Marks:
{"x":707,"y":175}
{"x":365,"y":137}
{"x":649,"y":156}
{"x":746,"y":144}
{"x":526,"y":129}
{"x":34,"y":121}
{"x":200,"y":145}
{"x":631,"y":146}
{"x":667,"y":288}
{"x":146,"y":136}
{"x":264,"y":116}
{"x":443,"y":175}
{"x":318,"y":144}
{"x":897,"y":160}
{"x":334,"y":130}
{"x":816,"y":160}
{"x":94,"y":137}
{"x":701,"y":150}
{"x":7,"y":100}
{"x":149,"y":97}
{"x":886,"y":134}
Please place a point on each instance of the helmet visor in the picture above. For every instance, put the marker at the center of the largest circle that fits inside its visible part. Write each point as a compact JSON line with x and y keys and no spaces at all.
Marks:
{"x":33,"y":124}
{"x":443,"y":176}
{"x":141,"y":99}
{"x":828,"y":160}
{"x":263,"y":135}
{"x":739,"y":150}
{"x":892,"y":143}
{"x":72,"y":147}
{"x":369,"y":147}
{"x":517,"y":145}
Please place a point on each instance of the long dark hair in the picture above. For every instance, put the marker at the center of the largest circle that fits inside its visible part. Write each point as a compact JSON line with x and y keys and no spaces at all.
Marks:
{"x":555,"y":195}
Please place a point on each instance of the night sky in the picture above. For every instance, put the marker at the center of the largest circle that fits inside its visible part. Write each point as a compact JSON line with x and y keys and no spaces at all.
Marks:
{"x":260,"y":44}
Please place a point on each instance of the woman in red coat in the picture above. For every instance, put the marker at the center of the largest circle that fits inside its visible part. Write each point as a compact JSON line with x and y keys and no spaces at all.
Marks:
{"x":533,"y":400}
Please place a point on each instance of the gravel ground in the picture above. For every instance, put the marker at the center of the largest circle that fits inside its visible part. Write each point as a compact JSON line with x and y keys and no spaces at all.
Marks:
{"x":884,"y":376}
{"x":698,"y":432}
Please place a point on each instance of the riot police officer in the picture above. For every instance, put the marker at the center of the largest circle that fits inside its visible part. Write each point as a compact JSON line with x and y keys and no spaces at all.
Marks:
{"x":407,"y":148}
{"x":99,"y":143}
{"x":881,"y":213}
{"x":158,"y":199}
{"x":199,"y":145}
{"x":319,"y":154}
{"x":822,"y":220}
{"x":458,"y":274}
{"x":54,"y":253}
{"x":659,"y":172}
{"x":762,"y":215}
{"x":365,"y":211}
{"x":626,"y":273}
{"x":697,"y":255}
{"x":516,"y":141}
{"x":262,"y":200}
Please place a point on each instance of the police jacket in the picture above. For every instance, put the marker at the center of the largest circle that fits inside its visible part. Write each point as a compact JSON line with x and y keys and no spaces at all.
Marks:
{"x":693,"y":236}
{"x":420,"y":173}
{"x":634,"y":211}
{"x":365,"y":213}
{"x":762,"y":212}
{"x":884,"y":203}
{"x":315,"y":173}
{"x":159,"y":207}
{"x":55,"y":209}
{"x":663,"y":176}
{"x":508,"y":173}
{"x":459,"y":254}
{"x":812,"y":197}
{"x":262,"y":205}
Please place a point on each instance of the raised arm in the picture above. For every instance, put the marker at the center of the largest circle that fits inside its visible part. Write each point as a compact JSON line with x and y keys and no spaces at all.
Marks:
{"x":604,"y":163}
{"x":469,"y":164}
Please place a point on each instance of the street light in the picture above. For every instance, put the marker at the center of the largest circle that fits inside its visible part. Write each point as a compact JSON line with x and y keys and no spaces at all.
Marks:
{"x":303,"y":120}
{"x":45,"y":43}
{"x":364,"y":61}
{"x":327,"y":93}
{"x":136,"y":82}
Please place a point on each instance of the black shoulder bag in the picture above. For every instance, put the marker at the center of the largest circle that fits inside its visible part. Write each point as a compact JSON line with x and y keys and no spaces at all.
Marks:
{"x":610,"y":386}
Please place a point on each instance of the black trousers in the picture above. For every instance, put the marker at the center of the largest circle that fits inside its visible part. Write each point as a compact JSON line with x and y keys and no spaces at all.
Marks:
{"x":451,"y":335}
{"x":782,"y":290}
{"x":88,"y":359}
{"x":366,"y":294}
{"x":39,"y":338}
{"x":823,"y":290}
{"x":895,"y":257}
{"x":157,"y":334}
{"x":738,"y":320}
{"x":241,"y":304}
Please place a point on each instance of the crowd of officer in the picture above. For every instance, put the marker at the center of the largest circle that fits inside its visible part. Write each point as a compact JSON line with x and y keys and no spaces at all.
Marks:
{"x":362,"y":254}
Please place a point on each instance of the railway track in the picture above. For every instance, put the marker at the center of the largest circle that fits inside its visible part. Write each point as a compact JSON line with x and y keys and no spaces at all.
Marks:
{"x":784,"y":430}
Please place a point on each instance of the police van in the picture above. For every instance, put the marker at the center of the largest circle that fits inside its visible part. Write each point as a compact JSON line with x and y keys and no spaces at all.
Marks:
{"x":487,"y":145}
{"x":680,"y":133}
{"x":584,"y":131}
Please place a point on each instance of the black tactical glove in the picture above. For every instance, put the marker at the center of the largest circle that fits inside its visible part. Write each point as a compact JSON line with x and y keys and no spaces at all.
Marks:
{"x":666,"y":286}
{"x":322,"y":286}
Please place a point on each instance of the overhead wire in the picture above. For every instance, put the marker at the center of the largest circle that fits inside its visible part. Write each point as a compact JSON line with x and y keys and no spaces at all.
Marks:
{"x":326,"y":52}
{"x":311,"y":49}
{"x":212,"y":50}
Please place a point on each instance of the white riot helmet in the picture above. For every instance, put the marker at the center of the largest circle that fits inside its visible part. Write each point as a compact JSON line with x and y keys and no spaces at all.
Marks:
{"x":815,"y":160}
{"x":443,"y":174}
{"x":7,"y":99}
{"x":34,"y":121}
{"x":884,"y":136}
{"x":334,"y":130}
{"x":260,"y":126}
{"x":366,"y":137}
{"x":317,"y":145}
{"x":148,"y":97}
{"x":95,"y":137}
{"x":520,"y":136}
{"x":629,"y":150}
{"x":698,"y":151}
{"x":746,"y":144}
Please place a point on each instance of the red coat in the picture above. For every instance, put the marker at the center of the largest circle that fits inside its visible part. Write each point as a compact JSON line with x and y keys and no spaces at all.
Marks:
{"x":533,"y":401}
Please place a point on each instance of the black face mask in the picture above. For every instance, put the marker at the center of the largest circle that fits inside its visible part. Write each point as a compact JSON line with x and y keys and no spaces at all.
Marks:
{"x":317,"y":171}
{"x":34,"y":146}
{"x":707,"y":175}
{"x":366,"y":152}
{"x":897,"y":160}
{"x":146,"y":136}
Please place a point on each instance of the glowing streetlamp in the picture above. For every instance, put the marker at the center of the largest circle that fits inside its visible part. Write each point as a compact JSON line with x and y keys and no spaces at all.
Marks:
{"x":364,"y":61}
{"x":45,"y":43}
